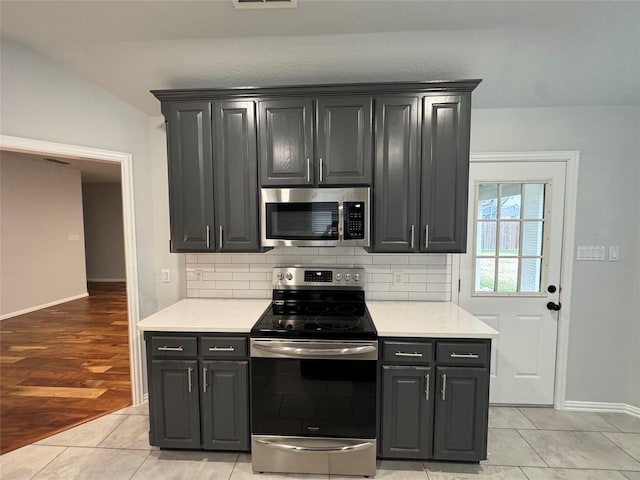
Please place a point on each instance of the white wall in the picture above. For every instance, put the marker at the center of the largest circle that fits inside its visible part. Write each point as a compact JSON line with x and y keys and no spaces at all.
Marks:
{"x":45,"y":102}
{"x":40,"y":207}
{"x":605,"y":324}
{"x":104,"y":233}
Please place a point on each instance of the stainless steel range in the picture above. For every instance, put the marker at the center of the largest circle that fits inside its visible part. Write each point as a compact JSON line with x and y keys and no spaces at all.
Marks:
{"x":313,"y":375}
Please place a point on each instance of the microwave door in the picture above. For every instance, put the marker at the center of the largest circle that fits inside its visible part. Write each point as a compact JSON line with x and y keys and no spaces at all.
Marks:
{"x":302,"y":223}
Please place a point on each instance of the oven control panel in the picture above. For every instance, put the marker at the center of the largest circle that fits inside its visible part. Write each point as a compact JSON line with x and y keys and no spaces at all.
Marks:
{"x":318,"y":277}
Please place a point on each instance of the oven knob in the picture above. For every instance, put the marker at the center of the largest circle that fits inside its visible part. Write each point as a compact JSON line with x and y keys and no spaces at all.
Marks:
{"x":289,"y":276}
{"x":346,"y":277}
{"x":356,"y":277}
{"x":338,"y":276}
{"x":280,"y":275}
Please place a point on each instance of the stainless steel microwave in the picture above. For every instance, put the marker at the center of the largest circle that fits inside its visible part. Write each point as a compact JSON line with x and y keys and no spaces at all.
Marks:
{"x":320,"y":217}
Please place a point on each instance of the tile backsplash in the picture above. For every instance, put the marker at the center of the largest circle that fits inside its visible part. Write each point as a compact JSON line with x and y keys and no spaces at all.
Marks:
{"x":248,"y":275}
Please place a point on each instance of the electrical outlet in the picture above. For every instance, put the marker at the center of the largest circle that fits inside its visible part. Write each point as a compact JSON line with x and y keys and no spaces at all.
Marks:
{"x":73,"y":237}
{"x":166,"y":275}
{"x":399,"y":278}
{"x":198,"y":275}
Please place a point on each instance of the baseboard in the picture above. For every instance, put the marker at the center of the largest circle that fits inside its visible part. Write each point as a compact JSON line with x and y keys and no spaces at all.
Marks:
{"x":44,"y":305}
{"x":601,"y":407}
{"x":106,"y":279}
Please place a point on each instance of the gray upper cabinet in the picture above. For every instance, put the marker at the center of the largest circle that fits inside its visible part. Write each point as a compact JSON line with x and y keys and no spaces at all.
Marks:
{"x":343,"y":141}
{"x":286,"y":141}
{"x":445,"y":173}
{"x":334,"y":148}
{"x":396,"y":175}
{"x":235,"y":176}
{"x":190,"y":175}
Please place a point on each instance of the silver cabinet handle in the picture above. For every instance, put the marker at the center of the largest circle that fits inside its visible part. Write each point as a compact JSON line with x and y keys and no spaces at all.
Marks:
{"x":222,"y":349}
{"x":406,"y":354}
{"x":204,"y":380}
{"x":426,"y":236}
{"x":444,"y":386}
{"x":189,"y":372}
{"x":220,"y":234}
{"x":317,"y":351}
{"x":166,"y":348}
{"x":298,"y":448}
{"x":413,"y":230}
{"x":208,"y":236}
{"x":308,"y":170}
{"x":321,"y":170}
{"x":463,"y":355}
{"x":426,"y":387}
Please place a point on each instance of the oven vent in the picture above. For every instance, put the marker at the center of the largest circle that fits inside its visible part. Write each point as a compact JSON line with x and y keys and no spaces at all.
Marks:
{"x":265,"y":3}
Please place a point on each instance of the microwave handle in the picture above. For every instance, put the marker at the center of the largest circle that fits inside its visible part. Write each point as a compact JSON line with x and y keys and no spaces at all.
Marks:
{"x":340,"y":221}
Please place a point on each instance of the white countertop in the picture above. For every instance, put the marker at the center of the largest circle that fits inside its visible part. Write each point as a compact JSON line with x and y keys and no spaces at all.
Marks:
{"x":392,"y":318}
{"x":206,"y":315}
{"x":426,"y":319}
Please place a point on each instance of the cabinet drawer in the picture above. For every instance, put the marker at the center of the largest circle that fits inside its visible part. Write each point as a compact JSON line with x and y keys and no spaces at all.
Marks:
{"x":407,"y":352}
{"x":454,"y":353}
{"x":170,"y":346}
{"x":214,"y":347}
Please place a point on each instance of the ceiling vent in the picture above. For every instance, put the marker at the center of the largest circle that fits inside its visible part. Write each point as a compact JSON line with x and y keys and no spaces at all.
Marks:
{"x":265,"y":3}
{"x":55,"y":160}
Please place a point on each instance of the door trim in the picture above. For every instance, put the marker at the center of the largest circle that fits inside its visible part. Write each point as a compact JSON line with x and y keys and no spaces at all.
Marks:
{"x":40,"y":147}
{"x":571,"y":159}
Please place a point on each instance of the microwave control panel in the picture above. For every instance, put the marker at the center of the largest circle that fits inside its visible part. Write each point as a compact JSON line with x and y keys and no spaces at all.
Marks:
{"x":354,"y":220}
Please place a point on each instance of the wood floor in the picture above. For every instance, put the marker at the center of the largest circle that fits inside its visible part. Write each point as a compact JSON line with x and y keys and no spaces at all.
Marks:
{"x":63,"y":365}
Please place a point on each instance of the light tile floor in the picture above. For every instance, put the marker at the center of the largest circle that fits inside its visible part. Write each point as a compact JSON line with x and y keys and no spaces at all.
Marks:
{"x":524,"y":444}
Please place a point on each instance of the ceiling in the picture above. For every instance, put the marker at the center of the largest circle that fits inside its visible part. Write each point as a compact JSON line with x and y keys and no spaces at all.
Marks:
{"x":528,"y":53}
{"x":91,"y":171}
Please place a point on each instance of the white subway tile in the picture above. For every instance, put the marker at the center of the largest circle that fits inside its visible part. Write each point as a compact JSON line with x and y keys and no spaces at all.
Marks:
{"x":396,"y":259}
{"x":373,"y":269}
{"x":275,"y":251}
{"x":341,"y":251}
{"x":248,"y":258}
{"x":202,"y":284}
{"x":300,"y":251}
{"x":262,"y":267}
{"x":427,"y":297}
{"x":378,"y":287}
{"x":217,"y":275}
{"x":409,"y":287}
{"x":382,"y":277}
{"x":260,"y":285}
{"x":191,"y":258}
{"x":390,"y":296}
{"x":251,"y":294}
{"x":439,"y":287}
{"x":233,"y":285}
{"x":192,"y":293}
{"x":357,"y":260}
{"x":232,"y":267}
{"x":214,"y":258}
{"x":216,"y":293}
{"x":261,"y":276}
{"x":323,"y":260}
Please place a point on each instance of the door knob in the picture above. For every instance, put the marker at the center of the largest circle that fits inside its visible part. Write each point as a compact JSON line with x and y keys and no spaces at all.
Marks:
{"x":554,"y":306}
{"x":551,"y":289}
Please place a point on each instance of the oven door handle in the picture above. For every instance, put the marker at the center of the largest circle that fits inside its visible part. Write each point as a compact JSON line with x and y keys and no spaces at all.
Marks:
{"x":298,"y":448}
{"x":317,"y":351}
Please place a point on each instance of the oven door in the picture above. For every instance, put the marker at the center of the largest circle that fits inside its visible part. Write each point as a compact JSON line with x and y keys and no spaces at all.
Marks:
{"x":303,"y":388}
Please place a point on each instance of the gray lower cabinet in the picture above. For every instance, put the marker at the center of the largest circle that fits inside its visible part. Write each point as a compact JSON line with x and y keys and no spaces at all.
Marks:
{"x":213,"y":176}
{"x":407,"y":411}
{"x":198,"y":391}
{"x":332,"y":147}
{"x":434,"y":399}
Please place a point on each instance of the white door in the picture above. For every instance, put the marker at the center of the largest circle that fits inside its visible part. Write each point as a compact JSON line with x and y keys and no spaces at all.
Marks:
{"x":509,"y":277}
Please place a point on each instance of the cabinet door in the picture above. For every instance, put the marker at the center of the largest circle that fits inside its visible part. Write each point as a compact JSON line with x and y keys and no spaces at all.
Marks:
{"x":445,"y":173}
{"x":190,"y":175}
{"x":396,"y":175}
{"x":286,"y":141}
{"x":235,"y":176}
{"x":225,"y":405}
{"x":406,"y":412}
{"x":176,"y":404}
{"x":461,"y":414}
{"x":343,"y":139}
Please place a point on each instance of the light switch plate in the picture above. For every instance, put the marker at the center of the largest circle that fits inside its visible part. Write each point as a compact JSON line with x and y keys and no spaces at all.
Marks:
{"x":614,"y":254}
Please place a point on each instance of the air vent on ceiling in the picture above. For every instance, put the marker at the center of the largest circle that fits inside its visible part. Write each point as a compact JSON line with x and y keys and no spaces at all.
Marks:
{"x":265,"y":3}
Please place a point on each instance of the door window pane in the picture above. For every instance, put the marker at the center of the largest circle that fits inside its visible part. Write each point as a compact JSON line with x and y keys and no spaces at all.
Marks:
{"x":485,"y":275}
{"x":530,"y":274}
{"x":487,"y":204}
{"x":507,"y":275}
{"x":486,"y":238}
{"x":533,"y":201}
{"x":509,"y":238}
{"x":532,"y":238}
{"x":510,"y":200}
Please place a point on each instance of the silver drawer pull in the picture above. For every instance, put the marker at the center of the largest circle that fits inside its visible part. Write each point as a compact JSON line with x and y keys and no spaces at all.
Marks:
{"x":171,"y":349}
{"x":222,"y":349}
{"x":406,"y":354}
{"x":463,"y":355}
{"x":299,"y":448}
